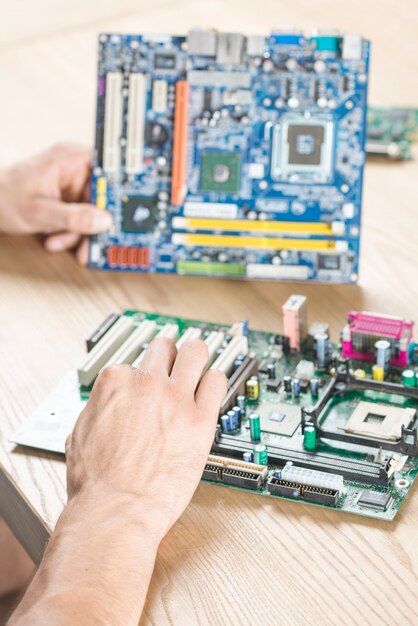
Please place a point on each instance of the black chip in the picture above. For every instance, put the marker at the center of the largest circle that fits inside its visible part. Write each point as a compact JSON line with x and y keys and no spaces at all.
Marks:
{"x":155,"y":134}
{"x":138,"y":214}
{"x":304,"y":385}
{"x":305,"y":142}
{"x":273,"y":384}
{"x":374,"y":499}
{"x":329,"y":261}
{"x":164,"y":61}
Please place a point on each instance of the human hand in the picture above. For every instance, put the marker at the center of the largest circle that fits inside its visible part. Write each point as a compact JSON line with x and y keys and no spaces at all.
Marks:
{"x":147,"y":432}
{"x":49,"y":194}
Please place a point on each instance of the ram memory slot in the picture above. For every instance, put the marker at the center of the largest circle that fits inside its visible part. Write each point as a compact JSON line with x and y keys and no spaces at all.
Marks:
{"x":113,"y":122}
{"x":136,"y":124}
{"x":263,"y":243}
{"x":309,"y":228}
{"x":356,"y":470}
{"x":179,"y":162}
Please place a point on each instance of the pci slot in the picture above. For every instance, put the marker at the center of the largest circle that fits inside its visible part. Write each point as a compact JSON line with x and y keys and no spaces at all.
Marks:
{"x":238,"y":345}
{"x":213,"y":341}
{"x":104,"y":349}
{"x":179,"y":162}
{"x":136,"y":124}
{"x":129,"y":350}
{"x":190,"y":333}
{"x":263,"y":243}
{"x":298,"y":491}
{"x":233,"y":472}
{"x":113,"y":123}
{"x":101,"y":330}
{"x":168,"y":330}
{"x":195,"y":224}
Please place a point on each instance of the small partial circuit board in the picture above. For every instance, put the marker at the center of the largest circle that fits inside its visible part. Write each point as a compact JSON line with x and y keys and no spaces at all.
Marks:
{"x":221,"y":154}
{"x":391,"y":132}
{"x":303,"y":419}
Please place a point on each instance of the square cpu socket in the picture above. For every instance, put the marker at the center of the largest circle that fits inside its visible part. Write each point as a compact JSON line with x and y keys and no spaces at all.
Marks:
{"x":220,"y":172}
{"x":138,"y":214}
{"x":302,"y":149}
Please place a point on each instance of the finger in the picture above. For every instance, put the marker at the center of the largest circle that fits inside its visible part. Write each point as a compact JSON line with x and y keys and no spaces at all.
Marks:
{"x":82,"y":254}
{"x":211,"y":392}
{"x":159,"y":356}
{"x":189,"y":364}
{"x":81,"y":218}
{"x":62,"y":241}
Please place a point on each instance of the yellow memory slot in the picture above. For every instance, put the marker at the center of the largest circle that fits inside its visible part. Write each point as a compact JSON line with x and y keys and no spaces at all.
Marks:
{"x":265,"y":243}
{"x":197,"y":223}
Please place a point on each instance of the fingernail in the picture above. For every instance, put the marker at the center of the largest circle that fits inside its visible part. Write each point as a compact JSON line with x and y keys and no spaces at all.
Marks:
{"x":102,"y":221}
{"x":55,"y":245}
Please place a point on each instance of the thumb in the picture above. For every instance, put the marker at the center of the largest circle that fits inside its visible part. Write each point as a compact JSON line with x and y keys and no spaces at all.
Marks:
{"x":74,"y":217}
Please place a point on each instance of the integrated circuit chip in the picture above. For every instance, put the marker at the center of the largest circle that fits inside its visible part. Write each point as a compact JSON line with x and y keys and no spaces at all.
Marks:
{"x":279,"y":418}
{"x":374,"y":499}
{"x":220,"y":172}
{"x":138,"y":214}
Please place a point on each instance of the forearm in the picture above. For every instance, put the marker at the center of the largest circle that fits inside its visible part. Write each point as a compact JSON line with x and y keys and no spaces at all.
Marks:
{"x":97,"y":566}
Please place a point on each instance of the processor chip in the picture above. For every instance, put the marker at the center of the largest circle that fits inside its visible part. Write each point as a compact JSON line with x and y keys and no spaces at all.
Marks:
{"x":279,"y":418}
{"x":220,"y":172}
{"x":138,"y":214}
{"x":302,"y":149}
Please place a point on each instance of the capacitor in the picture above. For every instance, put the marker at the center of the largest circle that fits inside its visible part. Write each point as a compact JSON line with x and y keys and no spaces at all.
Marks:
{"x":359,"y":373}
{"x":252,"y":388}
{"x":287,"y":384}
{"x":255,"y":429}
{"x":383,"y":352}
{"x":225,"y":424}
{"x":247,"y":457}
{"x":241,"y":404}
{"x":409,"y":378}
{"x":309,"y":438}
{"x":260,"y":454}
{"x":296,"y":387}
{"x":314,"y":386}
{"x":271,"y":370}
{"x":378,"y":373}
{"x":278,"y":474}
{"x":237,"y":413}
{"x":321,"y":349}
{"x":233,"y":419}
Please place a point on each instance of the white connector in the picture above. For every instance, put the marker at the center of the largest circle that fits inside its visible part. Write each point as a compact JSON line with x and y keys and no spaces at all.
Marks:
{"x":129,"y":350}
{"x":113,"y":123}
{"x":238,"y":345}
{"x":312,"y":478}
{"x":136,"y":124}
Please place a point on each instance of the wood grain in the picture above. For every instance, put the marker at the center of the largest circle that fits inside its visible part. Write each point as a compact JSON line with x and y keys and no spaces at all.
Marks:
{"x":233,"y":558}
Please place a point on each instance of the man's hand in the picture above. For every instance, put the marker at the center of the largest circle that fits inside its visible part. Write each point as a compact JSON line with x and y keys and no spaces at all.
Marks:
{"x":49,"y":194}
{"x":146,"y":433}
{"x":134,"y":459}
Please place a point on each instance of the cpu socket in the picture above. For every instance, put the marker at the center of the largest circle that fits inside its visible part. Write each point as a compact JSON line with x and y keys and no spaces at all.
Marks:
{"x":302,"y":149}
{"x":379,"y":421}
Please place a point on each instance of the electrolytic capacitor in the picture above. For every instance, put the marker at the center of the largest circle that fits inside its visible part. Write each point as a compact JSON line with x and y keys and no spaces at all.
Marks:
{"x":241,"y":404}
{"x":225,"y":424}
{"x":309,"y":438}
{"x":271,"y":371}
{"x":409,"y":378}
{"x":252,"y":388}
{"x":314,"y":386}
{"x":322,"y":349}
{"x":296,"y":387}
{"x":233,"y":419}
{"x":255,"y":429}
{"x":247,"y":457}
{"x":287,"y":384}
{"x":378,"y":373}
{"x":237,"y":413}
{"x":260,"y":454}
{"x":383,"y":351}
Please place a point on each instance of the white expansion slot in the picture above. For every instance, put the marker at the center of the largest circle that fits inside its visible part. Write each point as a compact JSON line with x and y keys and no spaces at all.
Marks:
{"x":136,"y":124}
{"x":168,"y":330}
{"x":130,"y":349}
{"x":113,"y":123}
{"x":104,"y":349}
{"x":238,"y":345}
{"x":213,"y":341}
{"x":189,"y":333}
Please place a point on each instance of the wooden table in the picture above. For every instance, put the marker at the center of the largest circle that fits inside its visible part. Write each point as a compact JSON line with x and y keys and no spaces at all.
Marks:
{"x":232,"y":558}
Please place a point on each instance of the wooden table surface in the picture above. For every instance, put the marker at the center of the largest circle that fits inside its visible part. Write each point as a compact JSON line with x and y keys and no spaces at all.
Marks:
{"x":232,"y":558}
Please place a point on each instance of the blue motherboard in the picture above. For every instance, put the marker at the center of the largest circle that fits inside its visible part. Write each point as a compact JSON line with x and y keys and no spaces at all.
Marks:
{"x":221,"y":154}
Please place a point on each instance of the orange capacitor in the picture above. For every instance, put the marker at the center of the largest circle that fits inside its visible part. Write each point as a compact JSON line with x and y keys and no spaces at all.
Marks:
{"x":179,"y":162}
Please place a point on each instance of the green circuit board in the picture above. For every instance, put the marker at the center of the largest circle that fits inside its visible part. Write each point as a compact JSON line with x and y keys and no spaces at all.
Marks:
{"x":391,"y":131}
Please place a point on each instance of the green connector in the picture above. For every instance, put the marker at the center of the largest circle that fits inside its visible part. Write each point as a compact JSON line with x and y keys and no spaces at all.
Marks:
{"x":210,"y":268}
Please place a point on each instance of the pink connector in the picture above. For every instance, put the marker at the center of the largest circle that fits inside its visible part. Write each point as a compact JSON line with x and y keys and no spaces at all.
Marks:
{"x":364,"y":329}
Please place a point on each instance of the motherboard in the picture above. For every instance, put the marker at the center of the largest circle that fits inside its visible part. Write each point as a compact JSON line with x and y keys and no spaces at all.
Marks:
{"x":220,"y":154}
{"x":332,"y":425}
